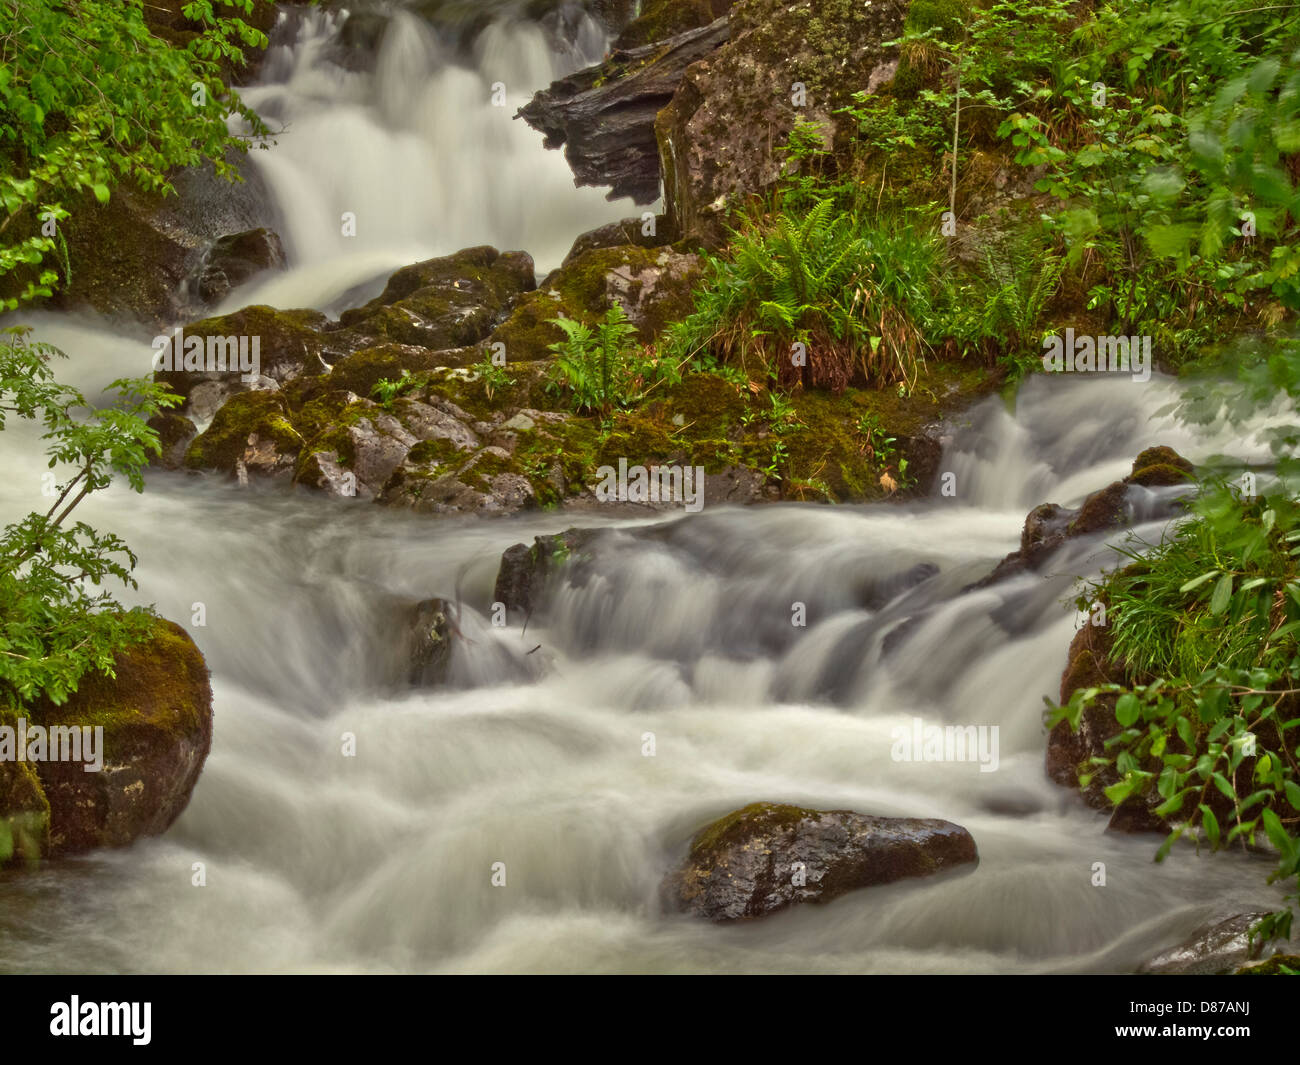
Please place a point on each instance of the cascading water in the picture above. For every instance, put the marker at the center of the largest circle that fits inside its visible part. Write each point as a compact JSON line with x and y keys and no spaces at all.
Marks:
{"x":381,"y":862}
{"x":420,"y":146}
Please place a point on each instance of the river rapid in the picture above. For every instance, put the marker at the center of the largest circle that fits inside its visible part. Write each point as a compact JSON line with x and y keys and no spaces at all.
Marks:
{"x":382,"y":862}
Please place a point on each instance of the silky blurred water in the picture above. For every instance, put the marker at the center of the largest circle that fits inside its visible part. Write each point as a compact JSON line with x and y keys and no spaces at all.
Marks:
{"x":533,"y":757}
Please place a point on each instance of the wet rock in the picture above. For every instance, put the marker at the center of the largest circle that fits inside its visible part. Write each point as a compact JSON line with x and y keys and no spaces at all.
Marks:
{"x":287,"y":345}
{"x":526,"y":569}
{"x":718,"y":136}
{"x":449,"y":302}
{"x":156,"y":715}
{"x":433,"y":630}
{"x":1220,"y":946}
{"x":767,"y":857}
{"x":235,"y":259}
{"x":175,"y":431}
{"x":1049,"y":525}
{"x":251,"y":434}
{"x":136,"y":257}
{"x":605,"y":115}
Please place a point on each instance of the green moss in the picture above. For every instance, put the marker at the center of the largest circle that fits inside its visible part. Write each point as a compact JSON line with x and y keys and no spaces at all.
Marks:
{"x":361,"y":371}
{"x":577,"y":290}
{"x":661,"y":19}
{"x":24,"y":813}
{"x":162,"y":683}
{"x":1273,"y":966}
{"x":435,"y":453}
{"x":755,"y":819}
{"x":223,"y":444}
{"x":478,"y":473}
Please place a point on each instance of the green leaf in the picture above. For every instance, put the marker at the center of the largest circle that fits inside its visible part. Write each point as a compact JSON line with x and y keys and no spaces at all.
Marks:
{"x":1127,"y":709}
{"x":1222,"y":595}
{"x":1211,"y":824}
{"x":1198,"y":581}
{"x":1120,"y":791}
{"x":1277,"y":835}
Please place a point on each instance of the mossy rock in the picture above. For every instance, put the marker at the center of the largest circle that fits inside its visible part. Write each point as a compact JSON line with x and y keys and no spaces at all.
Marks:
{"x":448,"y":302}
{"x":156,"y":716}
{"x":24,"y":813}
{"x":661,"y":19}
{"x":362,"y":370}
{"x":581,"y":289}
{"x":768,"y":856}
{"x":1101,"y":510}
{"x":175,"y":431}
{"x":253,"y":428}
{"x":1273,"y":966}
{"x":1161,"y":465}
{"x":289,"y":345}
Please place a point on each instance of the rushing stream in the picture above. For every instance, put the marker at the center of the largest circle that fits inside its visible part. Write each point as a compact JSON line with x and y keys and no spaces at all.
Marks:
{"x":382,"y":862}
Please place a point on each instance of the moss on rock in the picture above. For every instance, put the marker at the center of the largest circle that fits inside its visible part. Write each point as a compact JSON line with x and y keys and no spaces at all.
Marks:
{"x":249,"y":420}
{"x":156,"y":716}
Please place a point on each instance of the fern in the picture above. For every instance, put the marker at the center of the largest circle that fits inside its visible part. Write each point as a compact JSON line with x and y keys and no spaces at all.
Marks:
{"x":602,"y":367}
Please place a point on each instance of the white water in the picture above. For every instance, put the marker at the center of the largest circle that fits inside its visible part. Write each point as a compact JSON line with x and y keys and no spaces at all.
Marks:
{"x":317,"y":862}
{"x":416,"y":150}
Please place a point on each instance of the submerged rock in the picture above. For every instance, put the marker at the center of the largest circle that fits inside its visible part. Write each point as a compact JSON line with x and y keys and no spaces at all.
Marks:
{"x":1049,"y":525}
{"x":767,"y":857}
{"x":156,"y":717}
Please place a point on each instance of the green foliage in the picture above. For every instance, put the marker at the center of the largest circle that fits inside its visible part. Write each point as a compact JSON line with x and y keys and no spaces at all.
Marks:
{"x":90,"y":99}
{"x":845,"y":290}
{"x":386,"y":389}
{"x":602,"y":366}
{"x":778,"y":418}
{"x":56,"y":622}
{"x":1164,"y":132}
{"x":1206,"y":625}
{"x":494,"y":378}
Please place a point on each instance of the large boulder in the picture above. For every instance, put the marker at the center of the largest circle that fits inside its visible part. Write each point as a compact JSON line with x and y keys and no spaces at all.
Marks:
{"x":156,"y":721}
{"x":605,"y":115}
{"x":449,"y":302}
{"x":286,"y":345}
{"x":784,"y":63}
{"x":767,"y":857}
{"x":142,"y":256}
